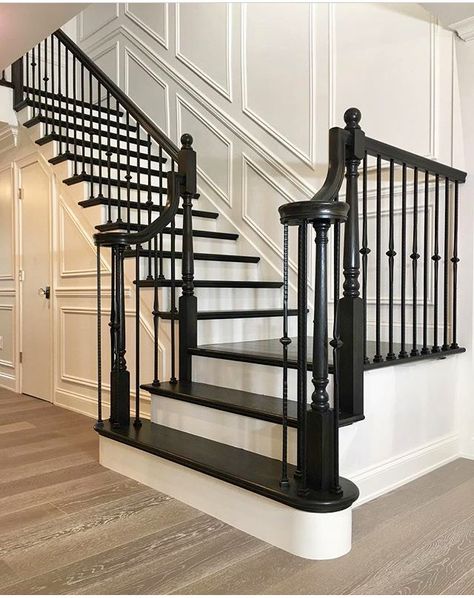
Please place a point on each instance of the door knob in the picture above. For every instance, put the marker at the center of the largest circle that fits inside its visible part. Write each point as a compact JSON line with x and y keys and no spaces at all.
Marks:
{"x":46,"y":292}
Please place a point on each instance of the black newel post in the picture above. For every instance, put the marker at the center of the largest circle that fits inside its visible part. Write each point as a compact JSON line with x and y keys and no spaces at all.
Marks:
{"x":17,"y":81}
{"x":119,"y":375}
{"x":320,"y":418}
{"x":187,"y":301}
{"x":351,"y":306}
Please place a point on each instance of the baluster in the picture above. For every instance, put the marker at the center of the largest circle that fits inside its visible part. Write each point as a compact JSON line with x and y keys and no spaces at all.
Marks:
{"x":91,"y":140}
{"x":46,"y":79}
{"x":336,"y":344}
{"x":119,"y":177}
{"x":391,"y":253}
{"x":83,"y":144}
{"x":187,"y":300}
{"x":378,"y":262}
{"x":414,"y":258}
{"x":66,"y":126}
{"x":53,"y":88}
{"x":27,"y":62}
{"x":455,"y":261}
{"x":40,"y":84}
{"x":302,"y":355}
{"x":149,"y":205}
{"x":156,"y":314}
{"x":60,"y":99}
{"x":119,"y":376}
{"x":2,"y":79}
{"x":33,"y":80}
{"x":445,"y":346}
{"x":109,"y":157}
{"x":74,"y":100}
{"x":100,"y":422}
{"x":173,"y":310}
{"x":99,"y":141}
{"x":285,"y":341}
{"x":403,"y":352}
{"x":425,"y":350}
{"x":137,"y":422}
{"x":364,"y":252}
{"x":161,"y":275}
{"x":128,"y":175}
{"x":436,"y":258}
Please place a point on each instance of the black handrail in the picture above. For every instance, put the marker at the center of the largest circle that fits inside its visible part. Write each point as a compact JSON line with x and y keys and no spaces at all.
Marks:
{"x":124,"y":100}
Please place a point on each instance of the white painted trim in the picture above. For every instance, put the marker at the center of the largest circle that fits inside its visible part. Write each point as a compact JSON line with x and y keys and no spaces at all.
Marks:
{"x":393,"y":473}
{"x":317,"y":536}
{"x":163,"y":41}
{"x":464,"y":28}
{"x":81,"y":36}
{"x":225,"y":92}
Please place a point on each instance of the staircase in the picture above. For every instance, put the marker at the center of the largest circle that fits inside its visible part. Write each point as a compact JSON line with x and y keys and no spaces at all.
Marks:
{"x":146,"y":190}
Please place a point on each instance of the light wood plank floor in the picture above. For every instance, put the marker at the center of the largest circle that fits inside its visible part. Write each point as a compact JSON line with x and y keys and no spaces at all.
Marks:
{"x":69,"y":526}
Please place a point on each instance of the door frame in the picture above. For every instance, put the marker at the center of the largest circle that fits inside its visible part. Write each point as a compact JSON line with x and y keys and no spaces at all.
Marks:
{"x":29,"y":160}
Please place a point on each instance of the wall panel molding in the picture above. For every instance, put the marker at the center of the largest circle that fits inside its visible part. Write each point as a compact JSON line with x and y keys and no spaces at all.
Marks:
{"x":114,"y":15}
{"x":224,"y":194}
{"x":163,"y":40}
{"x":224,"y":91}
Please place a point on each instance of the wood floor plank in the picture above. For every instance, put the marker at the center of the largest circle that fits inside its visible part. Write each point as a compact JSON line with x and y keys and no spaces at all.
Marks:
{"x":463,"y":585}
{"x":15,"y":427}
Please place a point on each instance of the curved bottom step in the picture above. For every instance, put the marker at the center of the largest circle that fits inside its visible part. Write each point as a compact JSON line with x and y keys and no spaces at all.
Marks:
{"x":242,"y":468}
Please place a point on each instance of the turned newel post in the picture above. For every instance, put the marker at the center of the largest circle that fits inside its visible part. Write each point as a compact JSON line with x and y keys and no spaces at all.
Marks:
{"x":351,"y":307}
{"x":119,"y":375}
{"x":187,"y":301}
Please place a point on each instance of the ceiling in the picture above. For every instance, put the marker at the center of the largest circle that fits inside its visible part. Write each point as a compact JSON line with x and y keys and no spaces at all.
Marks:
{"x":22,"y":26}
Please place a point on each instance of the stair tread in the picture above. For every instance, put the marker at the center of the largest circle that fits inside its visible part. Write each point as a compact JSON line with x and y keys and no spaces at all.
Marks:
{"x":269,"y":352}
{"x":206,"y":234}
{"x":225,"y":284}
{"x":87,"y":130}
{"x":239,"y":467}
{"x":258,"y":406}
{"x":104,"y":201}
{"x":87,"y":105}
{"x":218,"y":257}
{"x":114,"y":165}
{"x":87,"y":178}
{"x":67,"y":139}
{"x":82,"y":116}
{"x":233,"y":315}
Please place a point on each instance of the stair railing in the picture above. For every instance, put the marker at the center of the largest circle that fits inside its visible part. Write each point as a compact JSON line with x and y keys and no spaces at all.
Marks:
{"x":112,"y":143}
{"x":357,"y":341}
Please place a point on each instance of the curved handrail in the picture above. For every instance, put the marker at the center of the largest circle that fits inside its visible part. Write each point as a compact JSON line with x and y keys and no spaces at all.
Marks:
{"x":108,"y":239}
{"x":124,"y":100}
{"x":294,"y":213}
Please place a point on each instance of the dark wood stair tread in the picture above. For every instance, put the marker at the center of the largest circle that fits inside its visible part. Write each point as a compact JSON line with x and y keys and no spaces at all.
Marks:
{"x":205,"y":234}
{"x":212,"y":257}
{"x":269,"y":352}
{"x":64,"y":100}
{"x":82,"y":116}
{"x":257,"y":406}
{"x":87,"y":178}
{"x":104,"y":201}
{"x":121,"y":166}
{"x":221,"y":284}
{"x":244,"y":469}
{"x":232,"y":315}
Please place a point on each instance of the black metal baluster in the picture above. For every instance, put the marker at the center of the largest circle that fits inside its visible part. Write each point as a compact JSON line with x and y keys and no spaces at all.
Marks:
{"x":74,"y":100}
{"x":285,"y":341}
{"x":100,"y":422}
{"x":455,"y":261}
{"x":161,"y":209}
{"x":39,"y":80}
{"x":414,"y":258}
{"x":425,"y":350}
{"x":436,"y":258}
{"x":445,"y":346}
{"x":378,"y":262}
{"x":403,"y":352}
{"x":99,"y":142}
{"x":53,"y":88}
{"x":109,"y":157}
{"x":60,"y":99}
{"x":156,"y":314}
{"x":336,"y":342}
{"x":66,"y":125}
{"x":137,"y":422}
{"x":364,"y":252}
{"x":391,"y":253}
{"x":83,"y":144}
{"x":45,"y":80}
{"x":33,"y":80}
{"x":119,"y":177}
{"x":128,"y":176}
{"x":91,"y":141}
{"x":149,"y":205}
{"x":27,"y":60}
{"x":302,"y":353}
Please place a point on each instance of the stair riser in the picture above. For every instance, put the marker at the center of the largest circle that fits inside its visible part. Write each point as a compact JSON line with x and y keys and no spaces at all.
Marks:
{"x":249,"y":377}
{"x":205,"y":270}
{"x":198,"y":222}
{"x":156,"y":181}
{"x":227,"y":299}
{"x":31,"y":112}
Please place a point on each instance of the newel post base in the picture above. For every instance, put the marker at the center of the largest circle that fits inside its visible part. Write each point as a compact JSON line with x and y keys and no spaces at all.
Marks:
{"x":320,"y":454}
{"x":120,"y":399}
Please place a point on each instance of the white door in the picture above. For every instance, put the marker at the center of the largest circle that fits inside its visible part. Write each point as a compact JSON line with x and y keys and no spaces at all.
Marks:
{"x":36,"y":342}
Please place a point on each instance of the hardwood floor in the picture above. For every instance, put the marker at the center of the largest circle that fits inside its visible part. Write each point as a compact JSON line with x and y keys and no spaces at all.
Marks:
{"x":69,"y":526}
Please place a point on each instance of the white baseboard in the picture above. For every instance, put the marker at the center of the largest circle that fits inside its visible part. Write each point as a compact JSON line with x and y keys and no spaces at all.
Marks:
{"x":393,"y":473}
{"x":7,"y":381}
{"x":317,"y":536}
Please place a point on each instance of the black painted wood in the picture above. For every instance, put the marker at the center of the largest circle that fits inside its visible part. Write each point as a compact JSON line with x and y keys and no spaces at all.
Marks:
{"x":61,"y":99}
{"x":236,"y":466}
{"x":213,"y":284}
{"x":125,"y":184}
{"x":233,"y":315}
{"x":205,"y":234}
{"x":134,"y":205}
{"x":213,"y":257}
